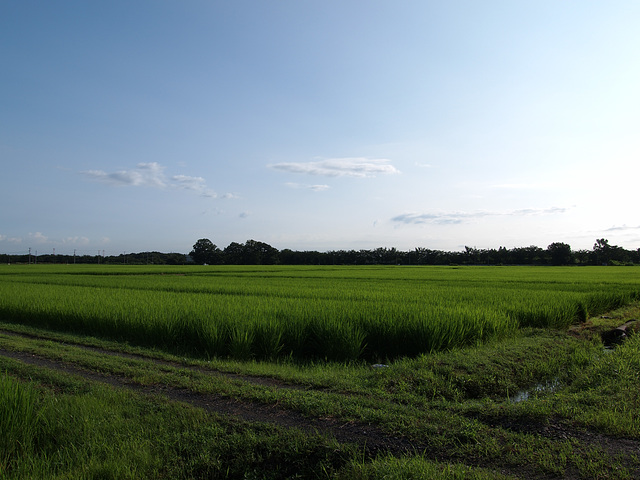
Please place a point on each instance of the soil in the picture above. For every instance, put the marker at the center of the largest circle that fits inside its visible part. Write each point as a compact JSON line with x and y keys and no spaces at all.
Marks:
{"x":371,"y":438}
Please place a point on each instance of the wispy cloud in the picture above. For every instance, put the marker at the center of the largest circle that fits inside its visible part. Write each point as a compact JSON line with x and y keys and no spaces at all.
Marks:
{"x":229,"y":195}
{"x":145,"y":174}
{"x":194,"y":184}
{"x":80,"y":241}
{"x":340,"y":167}
{"x":538,"y":211}
{"x":418,"y":218}
{"x":622,"y":228}
{"x":152,"y":175}
{"x":521,"y":186}
{"x":189,"y":183}
{"x":454,"y":218}
{"x":38,"y":237}
{"x":315,"y":188}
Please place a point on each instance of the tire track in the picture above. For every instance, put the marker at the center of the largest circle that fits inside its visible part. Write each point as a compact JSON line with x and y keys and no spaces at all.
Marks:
{"x":253,"y":379}
{"x":370,"y":437}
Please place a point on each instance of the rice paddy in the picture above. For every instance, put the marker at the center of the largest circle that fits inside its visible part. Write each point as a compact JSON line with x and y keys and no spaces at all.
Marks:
{"x":303,"y":313}
{"x":142,"y":372}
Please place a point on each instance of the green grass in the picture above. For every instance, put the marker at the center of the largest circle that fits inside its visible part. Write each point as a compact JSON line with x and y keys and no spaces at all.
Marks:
{"x":116,"y":435}
{"x":20,"y":420}
{"x":459,"y":343}
{"x":455,"y":401}
{"x":391,"y":468}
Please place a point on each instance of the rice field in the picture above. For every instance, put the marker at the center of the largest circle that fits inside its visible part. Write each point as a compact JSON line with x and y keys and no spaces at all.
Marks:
{"x":308,"y":313}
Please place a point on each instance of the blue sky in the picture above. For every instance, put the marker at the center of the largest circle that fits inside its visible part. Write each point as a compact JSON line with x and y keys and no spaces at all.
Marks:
{"x":135,"y":126}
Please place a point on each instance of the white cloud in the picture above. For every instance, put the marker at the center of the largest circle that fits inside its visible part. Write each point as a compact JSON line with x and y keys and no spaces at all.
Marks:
{"x":315,"y":188}
{"x":437,"y":218}
{"x":145,"y":174}
{"x":461,"y":217}
{"x":522,"y":186}
{"x":152,"y":175}
{"x":622,"y":228}
{"x":538,"y":211}
{"x":340,"y":167}
{"x":38,"y":237}
{"x":189,"y":183}
{"x":318,"y":188}
{"x":195,"y":184}
{"x":81,"y":241}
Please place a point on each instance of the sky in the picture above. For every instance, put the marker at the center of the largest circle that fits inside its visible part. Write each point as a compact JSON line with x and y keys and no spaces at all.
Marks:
{"x":318,"y":125}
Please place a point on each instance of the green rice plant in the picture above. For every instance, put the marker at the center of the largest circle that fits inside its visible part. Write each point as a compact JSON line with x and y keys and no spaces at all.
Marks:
{"x":341,"y":313}
{"x":600,"y":302}
{"x":268,"y":339}
{"x":434,"y":328}
{"x":335,"y":340}
{"x":294,"y":334}
{"x":212,"y":338}
{"x":241,"y":342}
{"x":559,"y":314}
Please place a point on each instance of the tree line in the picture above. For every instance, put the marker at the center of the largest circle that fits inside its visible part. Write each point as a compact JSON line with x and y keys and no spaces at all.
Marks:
{"x":140,"y":258}
{"x":254,"y":252}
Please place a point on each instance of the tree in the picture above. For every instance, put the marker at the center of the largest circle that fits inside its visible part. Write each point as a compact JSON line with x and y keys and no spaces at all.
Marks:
{"x":251,"y":253}
{"x":233,"y":253}
{"x":470,"y":255}
{"x":205,"y":252}
{"x":527,"y":255}
{"x":260,"y":253}
{"x":602,"y":251}
{"x":559,"y":253}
